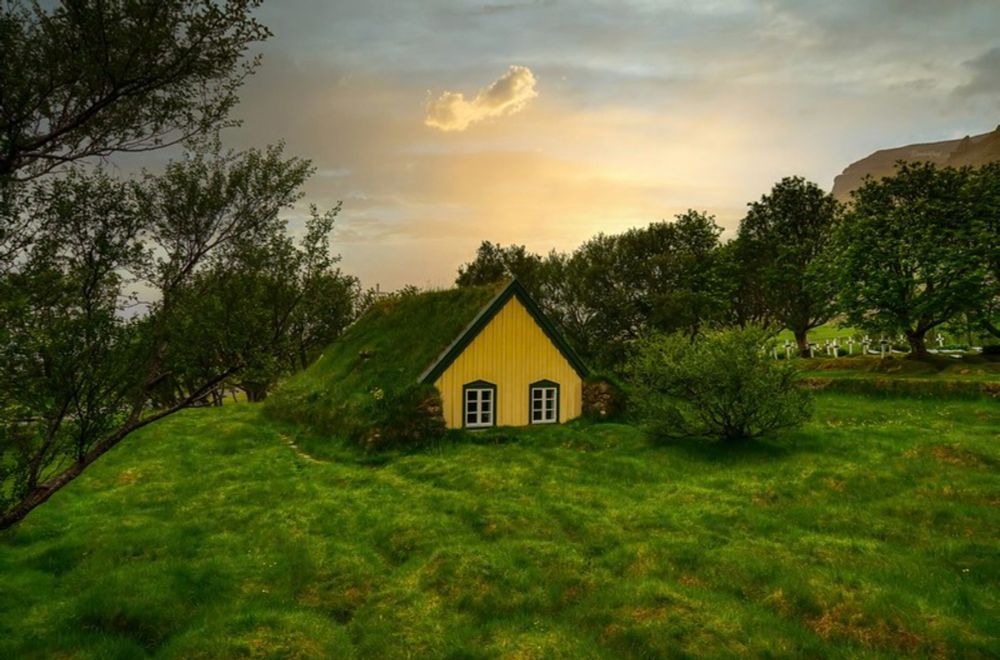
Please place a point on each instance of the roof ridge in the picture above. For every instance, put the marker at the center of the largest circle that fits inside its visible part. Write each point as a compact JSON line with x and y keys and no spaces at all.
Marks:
{"x":512,"y":289}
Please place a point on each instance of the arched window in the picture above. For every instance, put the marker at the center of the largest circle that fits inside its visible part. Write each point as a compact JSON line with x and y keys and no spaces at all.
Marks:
{"x":543,"y":402}
{"x":479,"y":405}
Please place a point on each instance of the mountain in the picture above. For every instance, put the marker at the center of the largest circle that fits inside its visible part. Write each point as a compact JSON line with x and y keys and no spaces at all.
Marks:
{"x":975,"y":150}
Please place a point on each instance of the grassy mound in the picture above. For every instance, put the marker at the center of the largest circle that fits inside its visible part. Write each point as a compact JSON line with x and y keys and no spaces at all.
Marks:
{"x":932,"y":377}
{"x":364,"y":388}
{"x":870,"y":532}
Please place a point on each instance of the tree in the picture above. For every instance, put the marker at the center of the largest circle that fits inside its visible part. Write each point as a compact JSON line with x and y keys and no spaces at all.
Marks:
{"x":84,"y":360}
{"x":268,"y":306}
{"x":583,"y":295}
{"x":96,"y":78}
{"x":613,"y":289}
{"x":684,"y":286}
{"x":745,"y":303}
{"x":782,"y":238}
{"x":495,"y":263}
{"x":722,"y":385}
{"x":910,"y":253}
{"x":984,"y":196}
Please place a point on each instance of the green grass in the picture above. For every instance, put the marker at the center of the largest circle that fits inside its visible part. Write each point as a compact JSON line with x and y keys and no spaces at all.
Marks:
{"x":823,"y":333}
{"x":967,"y":368}
{"x":935,"y":377}
{"x":835,"y":330}
{"x":874,"y":530}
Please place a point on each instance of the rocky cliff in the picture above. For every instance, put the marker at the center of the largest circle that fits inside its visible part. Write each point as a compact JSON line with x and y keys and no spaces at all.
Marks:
{"x":970,"y":150}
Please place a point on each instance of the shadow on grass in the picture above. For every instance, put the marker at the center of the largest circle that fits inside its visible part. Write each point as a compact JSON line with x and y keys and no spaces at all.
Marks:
{"x":715,"y":451}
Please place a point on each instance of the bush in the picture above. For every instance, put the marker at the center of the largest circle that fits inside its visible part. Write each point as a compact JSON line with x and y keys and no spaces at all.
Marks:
{"x":411,"y":418}
{"x":603,"y":399}
{"x":722,"y":385}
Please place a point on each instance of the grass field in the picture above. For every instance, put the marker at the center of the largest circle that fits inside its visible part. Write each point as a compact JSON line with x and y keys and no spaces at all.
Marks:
{"x":822,"y":333}
{"x":966,"y":368}
{"x":834,"y":330}
{"x":874,"y":530}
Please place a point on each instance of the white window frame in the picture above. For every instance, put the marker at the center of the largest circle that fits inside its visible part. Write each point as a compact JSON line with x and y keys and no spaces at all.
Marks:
{"x":479,"y":399}
{"x":547,"y":394}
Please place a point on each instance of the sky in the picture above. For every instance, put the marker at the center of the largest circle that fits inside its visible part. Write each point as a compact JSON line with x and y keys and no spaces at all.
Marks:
{"x":442,"y":124}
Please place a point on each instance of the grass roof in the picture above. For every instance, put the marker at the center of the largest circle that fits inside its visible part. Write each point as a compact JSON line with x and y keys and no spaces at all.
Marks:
{"x":369,"y":376}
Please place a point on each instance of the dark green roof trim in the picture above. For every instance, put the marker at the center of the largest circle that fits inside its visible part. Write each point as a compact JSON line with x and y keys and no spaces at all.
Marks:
{"x":513,"y":290}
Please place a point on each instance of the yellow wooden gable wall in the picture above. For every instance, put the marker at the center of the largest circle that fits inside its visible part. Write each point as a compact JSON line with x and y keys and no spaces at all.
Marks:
{"x":511,"y":352}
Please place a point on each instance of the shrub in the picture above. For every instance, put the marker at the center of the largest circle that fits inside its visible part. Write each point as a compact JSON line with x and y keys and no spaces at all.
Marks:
{"x":603,"y":399}
{"x":722,"y":385}
{"x":411,"y":418}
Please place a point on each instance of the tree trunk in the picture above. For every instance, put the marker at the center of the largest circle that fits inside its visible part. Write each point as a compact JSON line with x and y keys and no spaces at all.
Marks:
{"x":918,"y":347}
{"x":990,"y":328}
{"x":255,"y":394}
{"x":802,"y":340}
{"x":42,"y":492}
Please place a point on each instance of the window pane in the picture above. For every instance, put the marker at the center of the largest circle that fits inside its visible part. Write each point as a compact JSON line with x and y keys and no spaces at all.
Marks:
{"x":472,"y":395}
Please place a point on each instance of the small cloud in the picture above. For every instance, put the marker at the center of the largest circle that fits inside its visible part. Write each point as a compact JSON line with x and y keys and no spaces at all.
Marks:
{"x":504,"y":96}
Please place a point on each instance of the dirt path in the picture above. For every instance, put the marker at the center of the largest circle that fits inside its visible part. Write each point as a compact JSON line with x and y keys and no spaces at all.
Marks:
{"x":298,"y":450}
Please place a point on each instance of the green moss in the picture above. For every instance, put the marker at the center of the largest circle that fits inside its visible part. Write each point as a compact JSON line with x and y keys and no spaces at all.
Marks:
{"x":364,"y":388}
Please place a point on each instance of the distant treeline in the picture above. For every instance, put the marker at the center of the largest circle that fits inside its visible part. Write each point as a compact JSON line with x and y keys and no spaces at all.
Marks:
{"x":906,"y":255}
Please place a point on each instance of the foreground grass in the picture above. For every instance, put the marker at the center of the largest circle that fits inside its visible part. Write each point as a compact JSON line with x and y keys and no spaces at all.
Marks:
{"x":874,"y":530}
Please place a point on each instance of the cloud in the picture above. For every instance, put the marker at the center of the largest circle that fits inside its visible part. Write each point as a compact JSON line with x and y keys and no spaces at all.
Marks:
{"x":504,"y":96}
{"x":985,"y":79}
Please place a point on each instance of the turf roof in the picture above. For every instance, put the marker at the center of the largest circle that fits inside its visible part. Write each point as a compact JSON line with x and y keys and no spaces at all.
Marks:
{"x":378,"y":360}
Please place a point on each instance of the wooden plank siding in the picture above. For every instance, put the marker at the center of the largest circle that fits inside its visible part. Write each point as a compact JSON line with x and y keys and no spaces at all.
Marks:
{"x":512,"y":352}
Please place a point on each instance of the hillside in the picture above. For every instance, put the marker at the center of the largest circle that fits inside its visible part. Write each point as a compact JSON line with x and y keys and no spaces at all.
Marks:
{"x":871,"y":532}
{"x":970,"y":150}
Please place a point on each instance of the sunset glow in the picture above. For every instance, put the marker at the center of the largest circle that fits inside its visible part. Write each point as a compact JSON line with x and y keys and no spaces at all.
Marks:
{"x":443,"y":124}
